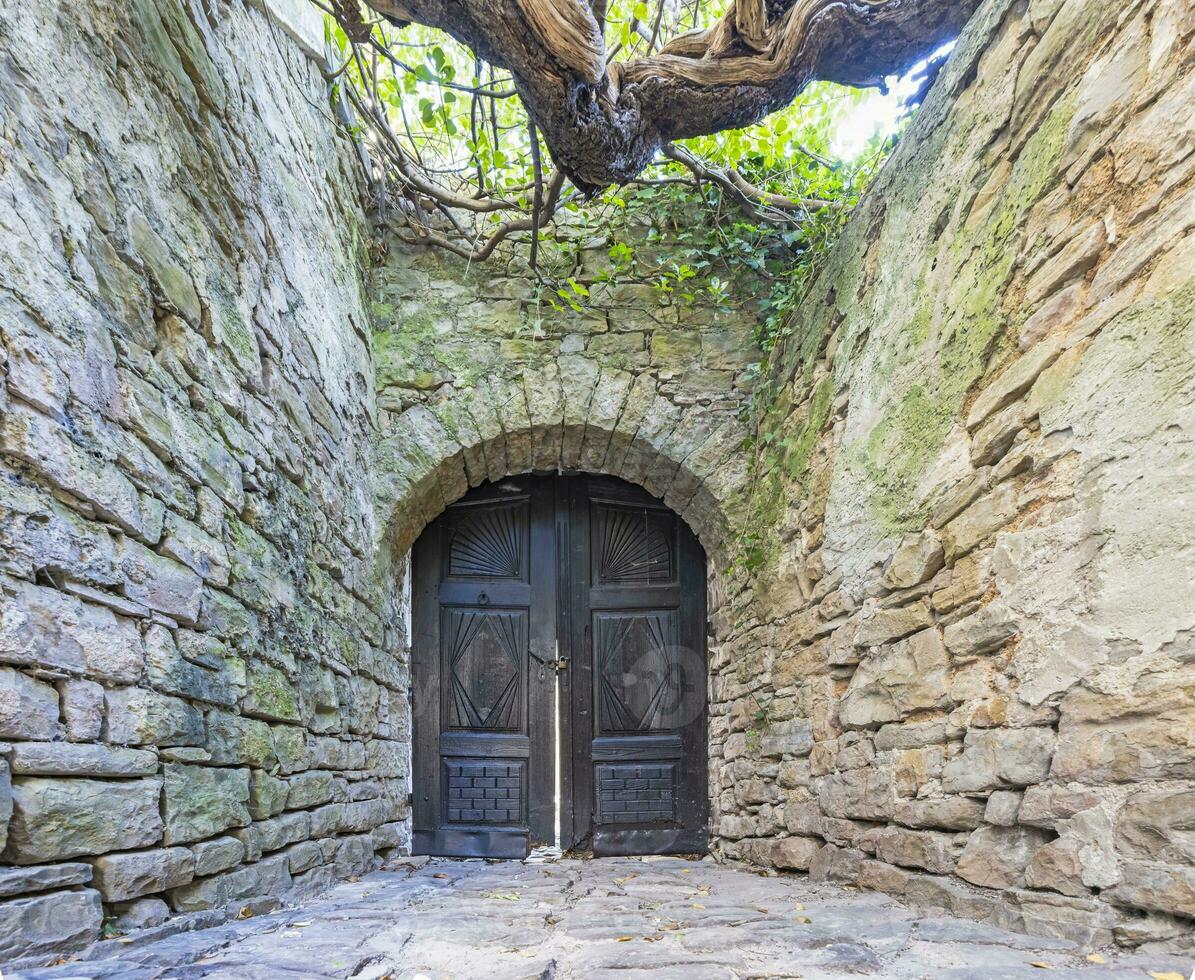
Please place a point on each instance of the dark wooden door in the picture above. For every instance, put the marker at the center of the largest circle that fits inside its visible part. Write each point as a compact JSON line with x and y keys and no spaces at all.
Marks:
{"x":484,"y":624}
{"x":567,"y":608}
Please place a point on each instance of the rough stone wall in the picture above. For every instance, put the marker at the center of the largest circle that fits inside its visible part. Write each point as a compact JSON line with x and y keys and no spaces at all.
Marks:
{"x":964,"y":672}
{"x":479,"y":377}
{"x":201,"y":692}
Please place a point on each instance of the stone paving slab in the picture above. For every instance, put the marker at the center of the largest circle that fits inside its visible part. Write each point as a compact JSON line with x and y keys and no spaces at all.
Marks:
{"x":612,"y":918}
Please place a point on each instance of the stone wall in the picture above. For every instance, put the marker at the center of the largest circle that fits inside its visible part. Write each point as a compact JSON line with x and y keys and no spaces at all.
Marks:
{"x":962,"y":669}
{"x":479,"y":377}
{"x":201,"y":685}
{"x":951,"y":592}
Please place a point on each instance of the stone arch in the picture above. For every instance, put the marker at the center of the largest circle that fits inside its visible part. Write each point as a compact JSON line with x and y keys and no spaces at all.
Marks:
{"x":570,"y":414}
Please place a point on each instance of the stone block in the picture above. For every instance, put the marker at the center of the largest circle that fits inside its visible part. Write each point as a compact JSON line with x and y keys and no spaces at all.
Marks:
{"x":879,"y":625}
{"x":927,"y":849}
{"x":42,"y":627}
{"x":794,"y":853}
{"x":42,"y":878}
{"x":982,"y":632}
{"x":120,"y":877}
{"x":265,"y":836}
{"x":388,"y":835}
{"x":218,"y":854}
{"x":839,"y":864}
{"x":290,"y":746}
{"x":881,"y":877}
{"x":354,"y":856}
{"x":997,"y":758}
{"x":996,"y":857}
{"x":161,"y":583}
{"x":326,"y":820}
{"x":269,"y":876}
{"x":980,"y":521}
{"x":54,"y":819}
{"x":860,"y":794}
{"x":194,"y":547}
{"x":1126,"y":750}
{"x":1155,"y":887}
{"x":46,"y":445}
{"x":917,"y":559}
{"x":71,"y":759}
{"x":270,"y":694}
{"x":362,"y":817}
{"x":312,"y":883}
{"x":1046,"y":804}
{"x":136,"y":716}
{"x":895,"y":681}
{"x":28,"y":708}
{"x":141,"y":913}
{"x":234,"y":740}
{"x":303,"y":856}
{"x":58,"y":922}
{"x":950,"y":894}
{"x":1080,"y":920}
{"x":82,"y":709}
{"x":945,"y":813}
{"x":267,"y":795}
{"x":167,"y":670}
{"x":787,"y":738}
{"x":201,"y":801}
{"x":1002,"y":808}
{"x":1157,"y":826}
{"x":309,"y":789}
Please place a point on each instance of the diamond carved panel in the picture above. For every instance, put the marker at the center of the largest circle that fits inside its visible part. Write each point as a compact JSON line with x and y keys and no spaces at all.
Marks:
{"x":484,"y":660}
{"x":640,"y":677}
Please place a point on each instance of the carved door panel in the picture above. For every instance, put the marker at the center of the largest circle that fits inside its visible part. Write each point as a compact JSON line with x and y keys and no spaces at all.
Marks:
{"x":515,"y":583}
{"x":484,"y":616}
{"x":637,"y":636}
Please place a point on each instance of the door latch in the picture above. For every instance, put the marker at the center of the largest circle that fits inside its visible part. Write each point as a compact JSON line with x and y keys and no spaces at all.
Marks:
{"x":560,"y":663}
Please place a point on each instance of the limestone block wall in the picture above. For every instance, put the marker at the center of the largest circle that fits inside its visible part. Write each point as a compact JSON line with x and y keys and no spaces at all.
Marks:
{"x":480,"y":377}
{"x":962,"y":668}
{"x":202,"y":688}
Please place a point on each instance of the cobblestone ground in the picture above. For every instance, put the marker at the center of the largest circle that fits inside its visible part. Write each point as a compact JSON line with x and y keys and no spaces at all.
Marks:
{"x":624,"y":917}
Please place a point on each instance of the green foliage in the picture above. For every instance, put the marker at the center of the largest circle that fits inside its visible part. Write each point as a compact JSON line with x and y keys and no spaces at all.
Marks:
{"x":686,"y":241}
{"x":481,"y":146}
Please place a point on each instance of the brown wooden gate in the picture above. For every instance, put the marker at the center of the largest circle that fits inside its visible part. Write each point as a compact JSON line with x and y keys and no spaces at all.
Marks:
{"x":559,"y":617}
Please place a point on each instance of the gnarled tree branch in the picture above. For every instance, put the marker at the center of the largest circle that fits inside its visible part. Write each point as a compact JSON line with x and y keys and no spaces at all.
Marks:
{"x":605,"y":123}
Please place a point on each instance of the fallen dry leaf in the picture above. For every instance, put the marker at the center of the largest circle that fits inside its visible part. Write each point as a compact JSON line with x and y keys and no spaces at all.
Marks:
{"x":1041,"y":964}
{"x":798,"y":906}
{"x":624,"y":939}
{"x":698,"y":905}
{"x":440,"y":874}
{"x":804,"y":920}
{"x":1168,"y":975}
{"x":1095,"y":958}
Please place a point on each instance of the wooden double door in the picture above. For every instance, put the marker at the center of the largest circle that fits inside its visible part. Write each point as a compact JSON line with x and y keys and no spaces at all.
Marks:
{"x":559,"y":673}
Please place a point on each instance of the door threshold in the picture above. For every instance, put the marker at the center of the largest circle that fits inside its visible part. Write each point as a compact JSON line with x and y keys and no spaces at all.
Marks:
{"x":544,"y":854}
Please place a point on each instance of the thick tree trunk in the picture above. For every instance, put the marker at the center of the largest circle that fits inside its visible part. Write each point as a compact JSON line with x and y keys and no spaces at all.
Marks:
{"x":604,"y":124}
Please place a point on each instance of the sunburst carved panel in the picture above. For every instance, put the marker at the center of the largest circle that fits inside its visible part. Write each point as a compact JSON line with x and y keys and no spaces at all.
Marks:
{"x":489,"y":542}
{"x":633,"y":545}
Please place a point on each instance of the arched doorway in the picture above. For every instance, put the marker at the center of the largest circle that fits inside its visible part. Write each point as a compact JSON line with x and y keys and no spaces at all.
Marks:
{"x":559,"y":672}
